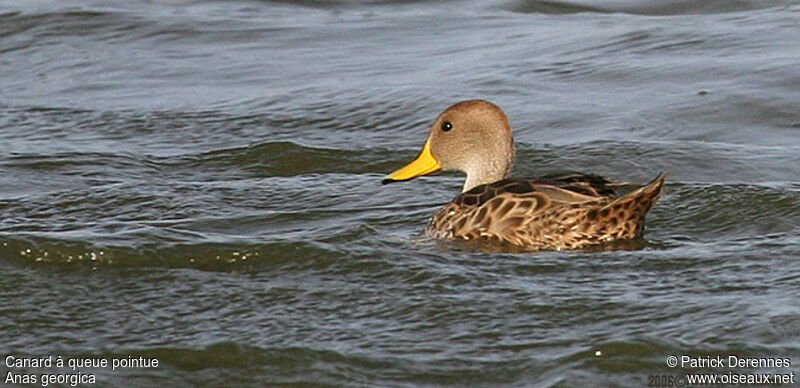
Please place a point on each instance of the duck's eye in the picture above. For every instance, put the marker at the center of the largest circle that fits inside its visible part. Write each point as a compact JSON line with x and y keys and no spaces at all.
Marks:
{"x":446,"y":126}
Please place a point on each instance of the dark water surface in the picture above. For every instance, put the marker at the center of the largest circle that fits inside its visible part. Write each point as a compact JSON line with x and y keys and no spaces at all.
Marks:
{"x":199,"y":182}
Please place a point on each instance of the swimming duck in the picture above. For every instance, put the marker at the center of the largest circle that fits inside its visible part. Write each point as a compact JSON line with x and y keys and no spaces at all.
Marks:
{"x":554,"y":212}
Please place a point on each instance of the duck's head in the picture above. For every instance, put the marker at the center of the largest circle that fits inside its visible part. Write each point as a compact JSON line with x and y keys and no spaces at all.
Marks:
{"x":471,"y":136}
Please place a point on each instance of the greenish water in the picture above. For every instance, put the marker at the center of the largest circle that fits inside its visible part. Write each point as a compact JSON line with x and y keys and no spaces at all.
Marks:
{"x":199,"y":183}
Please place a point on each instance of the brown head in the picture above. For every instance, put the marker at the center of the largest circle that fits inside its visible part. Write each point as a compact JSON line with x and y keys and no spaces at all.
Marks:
{"x":471,"y":136}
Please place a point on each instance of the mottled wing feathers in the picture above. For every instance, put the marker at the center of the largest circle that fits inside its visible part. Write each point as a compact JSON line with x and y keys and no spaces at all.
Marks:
{"x":593,"y":185}
{"x":579,"y":187}
{"x":483,"y":193}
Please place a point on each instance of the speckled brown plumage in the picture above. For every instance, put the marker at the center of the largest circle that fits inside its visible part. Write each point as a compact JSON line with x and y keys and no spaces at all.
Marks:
{"x":547,"y":213}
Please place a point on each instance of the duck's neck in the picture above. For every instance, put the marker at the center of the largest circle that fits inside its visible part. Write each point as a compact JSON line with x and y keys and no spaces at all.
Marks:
{"x":485,"y":173}
{"x":494,"y":165}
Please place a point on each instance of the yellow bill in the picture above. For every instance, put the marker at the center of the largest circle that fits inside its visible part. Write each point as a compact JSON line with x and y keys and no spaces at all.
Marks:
{"x":424,"y":164}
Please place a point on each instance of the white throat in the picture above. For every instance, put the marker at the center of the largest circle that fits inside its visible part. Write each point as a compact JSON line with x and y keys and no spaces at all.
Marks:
{"x":480,"y":174}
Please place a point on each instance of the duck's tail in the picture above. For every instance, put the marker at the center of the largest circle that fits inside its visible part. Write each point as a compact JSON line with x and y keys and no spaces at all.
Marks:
{"x":629,"y":211}
{"x":647,"y":194}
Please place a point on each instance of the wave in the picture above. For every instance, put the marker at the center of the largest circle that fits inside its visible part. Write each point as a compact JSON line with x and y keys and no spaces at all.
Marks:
{"x":643,"y":7}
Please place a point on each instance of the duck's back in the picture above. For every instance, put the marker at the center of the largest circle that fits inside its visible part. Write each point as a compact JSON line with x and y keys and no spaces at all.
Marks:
{"x":563,"y":211}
